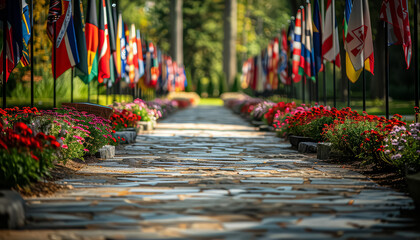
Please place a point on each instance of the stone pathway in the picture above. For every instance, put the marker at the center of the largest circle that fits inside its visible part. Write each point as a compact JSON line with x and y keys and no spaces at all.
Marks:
{"x":206,"y":174}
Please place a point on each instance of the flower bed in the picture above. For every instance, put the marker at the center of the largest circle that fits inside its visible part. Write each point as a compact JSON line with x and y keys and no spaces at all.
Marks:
{"x":360,"y":136}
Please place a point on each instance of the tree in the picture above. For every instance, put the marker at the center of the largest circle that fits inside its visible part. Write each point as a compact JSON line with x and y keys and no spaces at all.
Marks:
{"x":229,"y":40}
{"x":176,"y":31}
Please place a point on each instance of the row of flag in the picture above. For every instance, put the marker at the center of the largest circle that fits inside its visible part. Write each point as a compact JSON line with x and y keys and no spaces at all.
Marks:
{"x":311,"y":40}
{"x":104,"y":48}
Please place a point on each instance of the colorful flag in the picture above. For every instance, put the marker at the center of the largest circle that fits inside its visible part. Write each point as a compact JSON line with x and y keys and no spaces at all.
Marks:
{"x":66,"y":45}
{"x":283,"y":66}
{"x":395,"y":13}
{"x":330,"y":43}
{"x":26,"y":33}
{"x":79,"y":27}
{"x":104,"y":50}
{"x":14,"y":42}
{"x":135,"y":59}
{"x":290,"y":38}
{"x":140,"y":54}
{"x":317,"y":41}
{"x":120,"y":54}
{"x":91,"y":35}
{"x":307,"y":63}
{"x":297,"y":45}
{"x":112,"y":40}
{"x":359,"y":43}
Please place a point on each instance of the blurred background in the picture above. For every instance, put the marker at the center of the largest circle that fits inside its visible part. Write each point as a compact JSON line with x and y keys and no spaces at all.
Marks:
{"x":209,"y":70}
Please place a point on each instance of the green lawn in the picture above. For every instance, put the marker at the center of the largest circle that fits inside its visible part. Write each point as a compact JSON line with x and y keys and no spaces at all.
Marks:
{"x":211,"y":101}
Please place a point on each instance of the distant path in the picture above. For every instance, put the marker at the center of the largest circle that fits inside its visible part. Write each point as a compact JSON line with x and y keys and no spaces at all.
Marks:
{"x":206,"y":174}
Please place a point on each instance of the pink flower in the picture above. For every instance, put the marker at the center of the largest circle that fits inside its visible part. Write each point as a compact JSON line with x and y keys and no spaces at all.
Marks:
{"x":65,"y":146}
{"x":86,"y":150}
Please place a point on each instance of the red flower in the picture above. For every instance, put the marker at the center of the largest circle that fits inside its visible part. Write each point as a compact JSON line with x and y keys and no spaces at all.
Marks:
{"x":55,"y":144}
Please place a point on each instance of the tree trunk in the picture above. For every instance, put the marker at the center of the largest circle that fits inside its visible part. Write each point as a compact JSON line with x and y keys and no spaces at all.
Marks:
{"x":229,"y":41}
{"x":377,"y":87}
{"x":176,"y":31}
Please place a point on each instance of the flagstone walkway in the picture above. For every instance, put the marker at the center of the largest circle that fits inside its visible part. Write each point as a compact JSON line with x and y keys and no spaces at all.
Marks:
{"x":206,"y":174}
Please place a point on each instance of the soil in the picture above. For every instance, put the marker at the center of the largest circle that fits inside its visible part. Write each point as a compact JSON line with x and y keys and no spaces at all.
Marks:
{"x":384,"y":175}
{"x":60,"y":171}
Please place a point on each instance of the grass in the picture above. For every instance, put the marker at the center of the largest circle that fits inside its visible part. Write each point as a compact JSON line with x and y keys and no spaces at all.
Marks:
{"x":211,"y":102}
{"x":47,"y":103}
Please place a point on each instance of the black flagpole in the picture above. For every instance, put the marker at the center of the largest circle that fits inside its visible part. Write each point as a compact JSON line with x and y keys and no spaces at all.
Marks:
{"x":334,"y":94}
{"x":364,"y":89}
{"x":348,"y":92}
{"x":88,"y":95}
{"x":107,"y":93}
{"x":416,"y":52}
{"x":71,"y":85}
{"x":97,"y":93}
{"x":324,"y":80}
{"x":386,"y":71}
{"x":4,"y":54}
{"x":32,"y":53}
{"x":55,"y":66}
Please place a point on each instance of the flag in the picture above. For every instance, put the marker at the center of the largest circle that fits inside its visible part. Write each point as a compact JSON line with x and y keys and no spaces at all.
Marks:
{"x":395,"y":13}
{"x":140,"y":54}
{"x":352,"y":74}
{"x":330,"y":43}
{"x":126,"y":34}
{"x":283,"y":66}
{"x":91,"y":35}
{"x":290,"y":38}
{"x":14,"y":42}
{"x":120,"y":54}
{"x":133,"y":58}
{"x":317,"y":33}
{"x":358,"y":42}
{"x":307,"y":63}
{"x":297,"y":45}
{"x":104,"y":50}
{"x":112,"y":40}
{"x":26,"y":34}
{"x":79,"y":27}
{"x":66,"y":45}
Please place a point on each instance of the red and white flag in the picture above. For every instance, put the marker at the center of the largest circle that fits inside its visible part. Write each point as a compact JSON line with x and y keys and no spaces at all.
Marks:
{"x":104,"y":50}
{"x":395,"y":13}
{"x":330,"y":43}
{"x":359,"y":44}
{"x":297,"y":45}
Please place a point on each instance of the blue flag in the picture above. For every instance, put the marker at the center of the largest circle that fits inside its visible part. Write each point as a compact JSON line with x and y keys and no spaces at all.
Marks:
{"x":317,"y":31}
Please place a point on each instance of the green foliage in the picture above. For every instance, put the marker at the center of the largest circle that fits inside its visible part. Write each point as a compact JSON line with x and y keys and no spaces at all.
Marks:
{"x":348,"y":137}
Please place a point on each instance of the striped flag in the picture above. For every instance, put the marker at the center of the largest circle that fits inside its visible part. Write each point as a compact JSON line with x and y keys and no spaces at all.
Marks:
{"x":92,"y":41}
{"x":290,"y":38}
{"x":307,"y":63}
{"x":330,"y":43}
{"x":297,"y":45}
{"x":140,"y":54}
{"x":283,"y":66}
{"x":317,"y":34}
{"x":26,"y":34}
{"x":79,"y":26}
{"x":395,"y":13}
{"x":13,"y":36}
{"x":104,"y":50}
{"x":359,"y":43}
{"x":66,"y":45}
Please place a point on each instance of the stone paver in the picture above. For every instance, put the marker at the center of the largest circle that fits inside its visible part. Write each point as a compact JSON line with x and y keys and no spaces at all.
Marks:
{"x":206,"y":174}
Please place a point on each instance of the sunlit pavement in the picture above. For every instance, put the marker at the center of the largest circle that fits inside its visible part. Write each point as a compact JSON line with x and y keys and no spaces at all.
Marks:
{"x":204,"y":173}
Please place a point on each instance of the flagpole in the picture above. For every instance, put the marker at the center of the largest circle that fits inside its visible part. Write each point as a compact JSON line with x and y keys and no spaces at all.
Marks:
{"x":32,"y":53}
{"x":97,"y":93}
{"x":416,"y":52}
{"x":334,"y":90}
{"x":386,"y":71}
{"x":364,"y":89}
{"x":88,"y":95}
{"x":348,"y":92}
{"x":303,"y":40}
{"x":4,"y":55}
{"x":107,"y":93}
{"x":71,"y":85}
{"x":55,"y":65}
